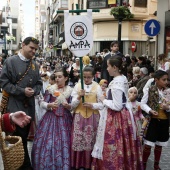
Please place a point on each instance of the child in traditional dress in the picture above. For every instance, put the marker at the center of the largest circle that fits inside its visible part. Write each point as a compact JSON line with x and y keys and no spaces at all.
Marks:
{"x":121,"y":150}
{"x":157,"y":133}
{"x":134,"y":106}
{"x":85,"y":120}
{"x":103,"y":84}
{"x":40,"y":111}
{"x":52,"y":142}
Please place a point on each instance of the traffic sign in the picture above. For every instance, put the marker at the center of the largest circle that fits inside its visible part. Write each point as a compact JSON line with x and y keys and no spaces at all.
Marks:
{"x":133,"y":47}
{"x":152,"y":27}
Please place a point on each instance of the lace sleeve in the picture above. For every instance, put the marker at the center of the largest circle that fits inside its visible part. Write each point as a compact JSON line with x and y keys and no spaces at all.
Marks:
{"x":74,"y":95}
{"x":44,"y":103}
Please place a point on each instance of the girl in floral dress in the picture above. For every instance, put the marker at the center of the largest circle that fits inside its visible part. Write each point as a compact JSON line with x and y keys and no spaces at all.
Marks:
{"x":51,"y":146}
{"x":85,"y":120}
{"x":121,"y":151}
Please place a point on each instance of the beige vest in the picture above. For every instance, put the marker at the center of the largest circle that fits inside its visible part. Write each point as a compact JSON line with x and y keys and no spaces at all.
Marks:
{"x":90,"y":97}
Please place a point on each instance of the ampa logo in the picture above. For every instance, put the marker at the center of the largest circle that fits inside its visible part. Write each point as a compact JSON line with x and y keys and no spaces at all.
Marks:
{"x":78,"y":30}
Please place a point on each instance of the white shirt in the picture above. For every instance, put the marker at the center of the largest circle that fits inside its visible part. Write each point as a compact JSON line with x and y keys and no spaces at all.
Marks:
{"x":144,"y":100}
{"x":87,"y":88}
{"x":118,"y":86}
{"x":165,"y":67}
{"x":148,"y":84}
{"x":22,"y":57}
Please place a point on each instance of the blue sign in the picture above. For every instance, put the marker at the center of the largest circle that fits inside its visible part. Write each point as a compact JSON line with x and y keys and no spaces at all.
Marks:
{"x":152,"y":27}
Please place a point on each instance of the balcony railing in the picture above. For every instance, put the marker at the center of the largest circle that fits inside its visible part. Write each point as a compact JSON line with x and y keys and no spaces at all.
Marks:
{"x":60,"y":4}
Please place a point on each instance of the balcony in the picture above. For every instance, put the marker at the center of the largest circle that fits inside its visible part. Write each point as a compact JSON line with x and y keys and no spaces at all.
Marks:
{"x":104,"y":14}
{"x":43,"y":10}
{"x":59,"y":5}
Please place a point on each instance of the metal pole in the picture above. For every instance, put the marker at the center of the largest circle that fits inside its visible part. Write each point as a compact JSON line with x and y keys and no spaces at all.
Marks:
{"x":120,"y":30}
{"x":81,"y":64}
{"x":156,"y":53}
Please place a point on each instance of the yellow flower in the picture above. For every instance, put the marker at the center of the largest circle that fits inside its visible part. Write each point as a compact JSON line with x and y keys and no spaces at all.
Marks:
{"x":33,"y":67}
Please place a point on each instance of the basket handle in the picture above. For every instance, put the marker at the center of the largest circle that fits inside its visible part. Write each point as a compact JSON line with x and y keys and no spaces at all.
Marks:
{"x":2,"y":140}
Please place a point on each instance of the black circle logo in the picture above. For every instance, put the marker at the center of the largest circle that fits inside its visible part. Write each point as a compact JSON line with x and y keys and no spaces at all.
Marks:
{"x":78,"y":30}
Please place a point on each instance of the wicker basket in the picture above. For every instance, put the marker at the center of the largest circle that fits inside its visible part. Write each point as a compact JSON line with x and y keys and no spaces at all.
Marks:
{"x":13,"y":155}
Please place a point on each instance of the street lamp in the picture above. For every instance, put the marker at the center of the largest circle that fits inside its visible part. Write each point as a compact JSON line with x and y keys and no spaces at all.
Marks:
{"x":120,"y":13}
{"x":120,"y":28}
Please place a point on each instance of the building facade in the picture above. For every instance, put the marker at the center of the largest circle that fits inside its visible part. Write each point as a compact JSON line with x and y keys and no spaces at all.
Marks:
{"x":105,"y":26}
{"x":13,"y":24}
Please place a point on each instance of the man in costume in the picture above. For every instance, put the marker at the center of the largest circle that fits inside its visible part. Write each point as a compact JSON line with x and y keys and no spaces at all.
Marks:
{"x":20,"y":82}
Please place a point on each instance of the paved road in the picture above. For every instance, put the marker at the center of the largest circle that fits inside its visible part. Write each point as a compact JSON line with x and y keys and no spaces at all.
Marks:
{"x":165,"y":159}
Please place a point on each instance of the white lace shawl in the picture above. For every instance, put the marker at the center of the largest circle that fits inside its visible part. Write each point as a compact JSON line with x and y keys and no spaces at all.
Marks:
{"x":98,"y":147}
{"x":61,"y":98}
{"x":121,"y":83}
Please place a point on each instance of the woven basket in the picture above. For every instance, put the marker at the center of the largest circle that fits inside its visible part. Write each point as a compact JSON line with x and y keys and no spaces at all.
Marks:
{"x":13,"y":156}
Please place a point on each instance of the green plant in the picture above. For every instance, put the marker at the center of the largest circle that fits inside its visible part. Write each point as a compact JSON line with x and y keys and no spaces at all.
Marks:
{"x":10,"y":37}
{"x":121,"y":12}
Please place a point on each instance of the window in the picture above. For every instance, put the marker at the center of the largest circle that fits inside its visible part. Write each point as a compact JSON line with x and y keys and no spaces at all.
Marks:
{"x":140,"y":3}
{"x":14,"y":20}
{"x":80,"y":3}
{"x":3,"y":20}
{"x":36,"y":3}
{"x":14,"y":33}
{"x":91,"y":4}
{"x":3,"y":10}
{"x":118,"y":1}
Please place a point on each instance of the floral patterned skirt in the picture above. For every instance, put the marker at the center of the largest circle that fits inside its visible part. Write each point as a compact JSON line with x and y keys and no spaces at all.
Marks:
{"x":83,"y":139}
{"x":121,"y":151}
{"x":52,"y":142}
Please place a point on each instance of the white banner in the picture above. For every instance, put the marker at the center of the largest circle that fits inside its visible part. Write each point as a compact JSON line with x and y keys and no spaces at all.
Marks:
{"x":79,"y":33}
